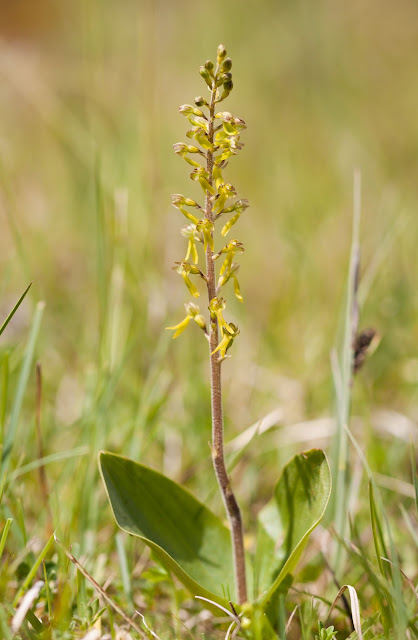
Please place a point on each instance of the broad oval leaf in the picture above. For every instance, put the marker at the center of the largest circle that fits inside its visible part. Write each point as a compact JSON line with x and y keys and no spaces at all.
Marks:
{"x":188,"y":538}
{"x":297,"y":507}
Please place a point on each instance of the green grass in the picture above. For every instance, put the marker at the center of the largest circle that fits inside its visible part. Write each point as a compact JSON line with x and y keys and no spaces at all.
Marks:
{"x":89,"y":114}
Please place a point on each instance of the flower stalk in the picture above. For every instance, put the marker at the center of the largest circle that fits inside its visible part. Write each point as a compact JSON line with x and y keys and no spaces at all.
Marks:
{"x":217,"y":138}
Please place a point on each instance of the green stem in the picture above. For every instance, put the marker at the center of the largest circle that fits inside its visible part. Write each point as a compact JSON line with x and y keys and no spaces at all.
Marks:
{"x":218,"y":455}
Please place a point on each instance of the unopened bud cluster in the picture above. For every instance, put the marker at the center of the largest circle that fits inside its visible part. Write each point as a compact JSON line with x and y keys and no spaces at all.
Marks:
{"x":214,"y":137}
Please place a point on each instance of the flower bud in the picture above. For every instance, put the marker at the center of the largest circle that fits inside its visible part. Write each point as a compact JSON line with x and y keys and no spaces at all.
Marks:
{"x":224,"y":77}
{"x":226,"y":65}
{"x":200,"y":321}
{"x":177,"y":199}
{"x":195,"y":271}
{"x":228,"y":86}
{"x":186,"y":109}
{"x":225,"y":116}
{"x":206,"y":76}
{"x":201,"y":102}
{"x":180,"y":148}
{"x":209,"y":66}
{"x":221,"y":53}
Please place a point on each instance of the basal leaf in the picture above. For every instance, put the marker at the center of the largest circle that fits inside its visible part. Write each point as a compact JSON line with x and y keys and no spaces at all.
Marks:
{"x":300,"y":498}
{"x":188,"y":538}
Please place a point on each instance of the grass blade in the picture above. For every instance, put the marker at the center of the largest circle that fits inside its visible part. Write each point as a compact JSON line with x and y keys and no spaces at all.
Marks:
{"x":414,"y":474}
{"x":4,"y":390}
{"x":15,"y":308}
{"x":4,"y":535}
{"x":379,"y":543}
{"x":33,"y":570}
{"x":21,"y":387}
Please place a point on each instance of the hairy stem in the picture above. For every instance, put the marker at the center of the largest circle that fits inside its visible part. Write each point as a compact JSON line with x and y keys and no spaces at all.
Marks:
{"x":218,"y":456}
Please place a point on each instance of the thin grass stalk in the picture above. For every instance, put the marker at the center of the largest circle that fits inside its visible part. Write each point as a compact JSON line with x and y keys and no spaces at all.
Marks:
{"x":346,"y":378}
{"x":43,"y":482}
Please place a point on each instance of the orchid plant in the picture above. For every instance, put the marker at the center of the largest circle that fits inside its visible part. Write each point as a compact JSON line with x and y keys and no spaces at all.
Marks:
{"x":193,"y":543}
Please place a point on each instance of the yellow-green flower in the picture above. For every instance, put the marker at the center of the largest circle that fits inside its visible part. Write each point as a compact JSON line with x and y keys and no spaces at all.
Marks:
{"x":239,"y":207}
{"x":216,"y":307}
{"x":230,"y":249}
{"x":217,"y":176}
{"x":228,"y":336}
{"x":227,"y":275}
{"x":178,"y":198}
{"x":188,"y":110}
{"x":182,"y":149}
{"x":225,"y":191}
{"x":229,"y":268}
{"x":193,"y":313}
{"x":202,"y":138}
{"x":184,"y":268}
{"x":192,"y":236}
{"x":206,"y":227}
{"x":179,"y":201}
{"x":201,"y":176}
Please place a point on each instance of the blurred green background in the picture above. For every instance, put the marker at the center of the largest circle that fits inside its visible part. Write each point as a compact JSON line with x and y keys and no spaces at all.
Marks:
{"x":89,"y":95}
